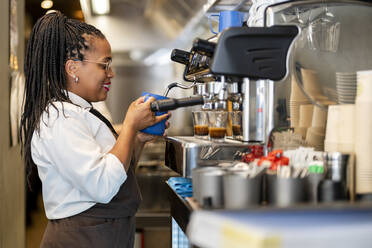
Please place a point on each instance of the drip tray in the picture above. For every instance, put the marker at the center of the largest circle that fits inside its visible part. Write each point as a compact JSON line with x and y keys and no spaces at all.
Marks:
{"x":183,"y":153}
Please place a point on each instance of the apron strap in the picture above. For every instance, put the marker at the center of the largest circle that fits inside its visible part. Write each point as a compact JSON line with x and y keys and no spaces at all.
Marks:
{"x":107,"y":122}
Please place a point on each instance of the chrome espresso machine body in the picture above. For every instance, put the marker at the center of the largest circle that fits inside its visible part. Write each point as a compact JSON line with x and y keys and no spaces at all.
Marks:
{"x":243,"y":61}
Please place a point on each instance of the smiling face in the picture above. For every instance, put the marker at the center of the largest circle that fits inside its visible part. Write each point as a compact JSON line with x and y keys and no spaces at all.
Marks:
{"x":94,"y":80}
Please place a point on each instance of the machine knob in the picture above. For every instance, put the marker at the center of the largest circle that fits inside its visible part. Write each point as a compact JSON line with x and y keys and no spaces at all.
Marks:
{"x":204,"y":47}
{"x":180,"y":56}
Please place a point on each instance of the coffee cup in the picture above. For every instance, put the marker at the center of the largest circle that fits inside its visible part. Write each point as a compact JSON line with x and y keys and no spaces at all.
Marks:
{"x":236,"y":120}
{"x":217,"y":124}
{"x":200,"y":120}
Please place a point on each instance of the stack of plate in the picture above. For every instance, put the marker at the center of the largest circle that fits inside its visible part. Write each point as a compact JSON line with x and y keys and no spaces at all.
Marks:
{"x":346,"y":87}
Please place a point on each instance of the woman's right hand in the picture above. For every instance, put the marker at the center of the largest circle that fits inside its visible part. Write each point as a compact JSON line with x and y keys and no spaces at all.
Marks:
{"x":140,"y":116}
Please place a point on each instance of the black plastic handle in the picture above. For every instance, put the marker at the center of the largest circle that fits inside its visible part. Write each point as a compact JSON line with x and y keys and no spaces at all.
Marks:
{"x":171,"y":103}
{"x":203,"y":46}
{"x":180,"y":56}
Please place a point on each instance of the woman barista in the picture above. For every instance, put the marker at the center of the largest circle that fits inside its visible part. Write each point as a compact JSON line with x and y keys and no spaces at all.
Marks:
{"x":89,"y":189}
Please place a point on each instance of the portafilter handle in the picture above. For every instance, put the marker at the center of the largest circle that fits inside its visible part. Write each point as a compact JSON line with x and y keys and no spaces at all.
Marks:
{"x":171,"y":103}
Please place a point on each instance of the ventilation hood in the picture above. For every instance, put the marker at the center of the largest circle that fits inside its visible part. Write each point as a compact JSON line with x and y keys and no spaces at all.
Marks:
{"x":152,"y":24}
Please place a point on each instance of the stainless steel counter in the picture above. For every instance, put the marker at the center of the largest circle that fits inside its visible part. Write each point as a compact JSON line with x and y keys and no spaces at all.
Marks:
{"x":181,"y":210}
{"x":183,"y":153}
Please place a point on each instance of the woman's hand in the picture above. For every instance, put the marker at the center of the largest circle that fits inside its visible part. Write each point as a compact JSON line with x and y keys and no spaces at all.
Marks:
{"x":144,"y":137}
{"x":139,"y":115}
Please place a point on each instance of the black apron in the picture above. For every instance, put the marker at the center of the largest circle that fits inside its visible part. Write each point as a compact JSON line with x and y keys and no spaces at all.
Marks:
{"x":104,"y":225}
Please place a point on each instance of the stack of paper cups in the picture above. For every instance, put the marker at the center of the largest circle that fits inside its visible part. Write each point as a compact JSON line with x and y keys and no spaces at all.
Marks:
{"x":305,"y":119}
{"x":340,"y":129}
{"x":346,"y":128}
{"x":312,"y":84}
{"x":297,"y":98}
{"x":331,"y":138}
{"x":363,"y":132}
{"x":301,"y":131}
{"x":319,"y":117}
{"x":315,"y":138}
{"x":315,"y":134}
{"x":364,"y":87}
{"x":306,"y":115}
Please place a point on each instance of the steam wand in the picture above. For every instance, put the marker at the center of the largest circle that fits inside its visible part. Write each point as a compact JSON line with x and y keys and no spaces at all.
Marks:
{"x":171,"y":103}
{"x":182,"y":86}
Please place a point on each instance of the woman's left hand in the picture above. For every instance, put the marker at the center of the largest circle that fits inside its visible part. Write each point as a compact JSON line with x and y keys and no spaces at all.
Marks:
{"x":144,"y":137}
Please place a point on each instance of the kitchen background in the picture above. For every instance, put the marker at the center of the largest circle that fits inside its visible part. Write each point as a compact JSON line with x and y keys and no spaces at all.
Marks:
{"x":142,"y":34}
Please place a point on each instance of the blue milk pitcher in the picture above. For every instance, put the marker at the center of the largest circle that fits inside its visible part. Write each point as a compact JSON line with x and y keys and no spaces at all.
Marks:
{"x":158,"y":128}
{"x":227,"y":18}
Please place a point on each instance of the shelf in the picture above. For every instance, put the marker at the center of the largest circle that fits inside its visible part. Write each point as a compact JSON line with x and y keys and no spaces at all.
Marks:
{"x":180,"y":209}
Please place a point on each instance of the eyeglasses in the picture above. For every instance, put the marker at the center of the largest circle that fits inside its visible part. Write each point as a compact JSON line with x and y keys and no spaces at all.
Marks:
{"x":106,"y":65}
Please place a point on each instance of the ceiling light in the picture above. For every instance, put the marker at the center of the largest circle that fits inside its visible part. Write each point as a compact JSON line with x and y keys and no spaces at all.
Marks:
{"x":101,"y":7}
{"x":47,"y":4}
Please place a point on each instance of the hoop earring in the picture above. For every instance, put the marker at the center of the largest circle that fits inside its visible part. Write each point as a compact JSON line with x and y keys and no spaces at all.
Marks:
{"x":76,"y":79}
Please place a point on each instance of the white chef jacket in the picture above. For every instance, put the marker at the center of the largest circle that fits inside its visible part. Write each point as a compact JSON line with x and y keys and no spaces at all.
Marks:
{"x":71,"y":154}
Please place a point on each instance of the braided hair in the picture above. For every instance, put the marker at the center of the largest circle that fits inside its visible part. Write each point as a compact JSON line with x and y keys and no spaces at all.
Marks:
{"x":54,"y":40}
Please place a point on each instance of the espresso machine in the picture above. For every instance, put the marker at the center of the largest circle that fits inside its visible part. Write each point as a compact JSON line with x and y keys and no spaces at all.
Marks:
{"x":240,"y":61}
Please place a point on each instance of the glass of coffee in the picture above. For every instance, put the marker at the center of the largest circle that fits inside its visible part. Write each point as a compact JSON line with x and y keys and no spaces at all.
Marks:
{"x":200,"y":119}
{"x":217,"y":121}
{"x":236,"y":121}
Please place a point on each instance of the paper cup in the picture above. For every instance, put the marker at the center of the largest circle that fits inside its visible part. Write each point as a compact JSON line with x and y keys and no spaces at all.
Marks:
{"x":314,"y":139}
{"x":311,"y":83}
{"x":330,"y":146}
{"x":306,"y":115}
{"x":332,"y":124}
{"x":302,"y":131}
{"x":346,"y":147}
{"x":364,"y":82}
{"x":319,"y":117}
{"x":346,"y":119}
{"x":296,"y":92}
{"x":318,"y":130}
{"x":363,"y":146}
